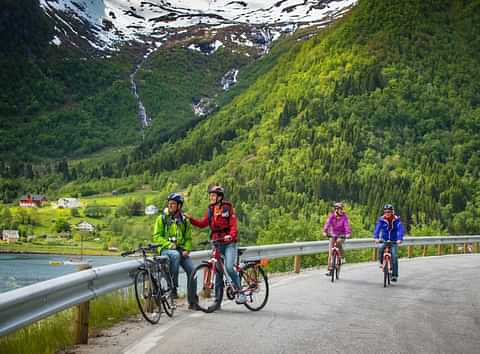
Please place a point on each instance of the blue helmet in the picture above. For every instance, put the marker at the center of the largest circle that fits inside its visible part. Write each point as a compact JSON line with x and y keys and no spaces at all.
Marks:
{"x":388,"y":207}
{"x":175,"y":197}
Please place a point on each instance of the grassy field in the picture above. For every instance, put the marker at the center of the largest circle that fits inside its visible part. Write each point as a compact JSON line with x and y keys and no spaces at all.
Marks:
{"x":110,"y":200}
{"x":112,"y":228}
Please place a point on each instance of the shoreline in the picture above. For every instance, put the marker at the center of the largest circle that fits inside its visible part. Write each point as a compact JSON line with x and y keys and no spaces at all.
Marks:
{"x":6,"y":251}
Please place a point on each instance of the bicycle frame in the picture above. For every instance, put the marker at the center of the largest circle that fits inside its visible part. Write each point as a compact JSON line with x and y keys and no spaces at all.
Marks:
{"x":216,"y":260}
{"x":387,"y":266}
{"x":387,"y":257}
{"x":335,"y":248}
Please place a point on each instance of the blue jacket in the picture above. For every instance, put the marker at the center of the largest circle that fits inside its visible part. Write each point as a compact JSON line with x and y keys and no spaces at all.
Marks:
{"x":382,"y":230}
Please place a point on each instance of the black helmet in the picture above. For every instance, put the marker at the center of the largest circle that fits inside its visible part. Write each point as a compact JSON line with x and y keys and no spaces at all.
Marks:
{"x":216,"y":189}
{"x":388,"y":207}
{"x":175,"y":197}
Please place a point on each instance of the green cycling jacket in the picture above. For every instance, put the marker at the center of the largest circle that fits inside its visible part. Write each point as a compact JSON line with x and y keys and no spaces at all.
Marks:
{"x":167,"y":226}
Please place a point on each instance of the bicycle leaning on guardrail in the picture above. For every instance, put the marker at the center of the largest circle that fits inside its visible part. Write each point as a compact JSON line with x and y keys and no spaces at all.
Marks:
{"x":153,"y":284}
{"x":212,"y":276}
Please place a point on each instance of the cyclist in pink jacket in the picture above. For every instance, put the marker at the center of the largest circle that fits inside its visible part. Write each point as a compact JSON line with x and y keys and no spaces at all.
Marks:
{"x":338,"y":226}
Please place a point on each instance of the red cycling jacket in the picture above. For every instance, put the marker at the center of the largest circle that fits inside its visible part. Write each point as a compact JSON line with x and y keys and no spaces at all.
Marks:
{"x":221,"y":219}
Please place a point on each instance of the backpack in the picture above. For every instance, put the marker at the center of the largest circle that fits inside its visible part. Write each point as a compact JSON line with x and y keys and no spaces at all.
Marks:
{"x":227,"y":207}
{"x":171,"y":220}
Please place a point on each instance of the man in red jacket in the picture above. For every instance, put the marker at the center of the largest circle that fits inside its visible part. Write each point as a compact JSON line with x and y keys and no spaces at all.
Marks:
{"x":220,"y":217}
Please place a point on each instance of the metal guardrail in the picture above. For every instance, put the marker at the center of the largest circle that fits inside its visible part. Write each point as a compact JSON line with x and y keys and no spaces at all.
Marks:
{"x":23,"y":306}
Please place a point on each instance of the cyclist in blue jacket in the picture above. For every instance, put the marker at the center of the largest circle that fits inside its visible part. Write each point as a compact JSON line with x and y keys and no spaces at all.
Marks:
{"x":389,"y":227}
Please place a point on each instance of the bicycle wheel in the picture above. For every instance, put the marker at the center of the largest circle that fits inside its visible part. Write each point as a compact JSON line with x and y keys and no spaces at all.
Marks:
{"x":203,"y":285}
{"x":144,"y":293}
{"x":389,"y":277}
{"x":254,"y":284}
{"x":386,"y":272}
{"x":166,"y":293}
{"x":338,"y":266}
{"x":334,"y":266}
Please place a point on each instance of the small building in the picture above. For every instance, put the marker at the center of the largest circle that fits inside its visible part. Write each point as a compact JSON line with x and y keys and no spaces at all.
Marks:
{"x":32,"y":200}
{"x":151,"y":210}
{"x":85,"y":226}
{"x":69,"y":203}
{"x":11,"y":236}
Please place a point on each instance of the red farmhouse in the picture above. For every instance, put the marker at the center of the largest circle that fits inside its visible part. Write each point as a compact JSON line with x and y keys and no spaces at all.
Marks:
{"x":32,"y":200}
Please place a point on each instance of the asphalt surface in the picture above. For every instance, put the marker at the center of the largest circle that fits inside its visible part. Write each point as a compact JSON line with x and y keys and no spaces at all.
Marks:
{"x":434,"y":308}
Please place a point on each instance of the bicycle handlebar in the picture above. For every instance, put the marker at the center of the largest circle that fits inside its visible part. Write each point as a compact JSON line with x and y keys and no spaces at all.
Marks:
{"x":148,"y":248}
{"x":211,"y":242}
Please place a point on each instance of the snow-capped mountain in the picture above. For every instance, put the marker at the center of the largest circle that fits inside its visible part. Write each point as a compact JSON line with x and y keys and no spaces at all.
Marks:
{"x":106,"y":23}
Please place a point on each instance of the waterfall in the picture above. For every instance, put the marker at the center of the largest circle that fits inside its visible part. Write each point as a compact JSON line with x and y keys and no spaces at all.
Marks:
{"x":143,"y":117}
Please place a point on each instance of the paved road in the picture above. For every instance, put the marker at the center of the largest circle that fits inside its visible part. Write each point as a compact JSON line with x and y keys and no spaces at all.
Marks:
{"x":434,"y":308}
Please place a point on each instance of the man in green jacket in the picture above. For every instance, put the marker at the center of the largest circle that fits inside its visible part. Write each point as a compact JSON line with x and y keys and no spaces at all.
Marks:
{"x":173,"y":232}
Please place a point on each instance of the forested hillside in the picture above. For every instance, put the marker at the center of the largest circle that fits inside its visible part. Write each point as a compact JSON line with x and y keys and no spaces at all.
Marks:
{"x":383,"y":106}
{"x":57,"y":101}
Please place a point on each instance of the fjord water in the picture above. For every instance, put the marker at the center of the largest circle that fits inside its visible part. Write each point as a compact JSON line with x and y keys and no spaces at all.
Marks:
{"x":18,"y":270}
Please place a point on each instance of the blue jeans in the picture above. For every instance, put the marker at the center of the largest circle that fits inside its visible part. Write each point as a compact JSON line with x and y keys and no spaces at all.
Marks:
{"x":177,"y":260}
{"x":229,"y":253}
{"x":394,"y":250}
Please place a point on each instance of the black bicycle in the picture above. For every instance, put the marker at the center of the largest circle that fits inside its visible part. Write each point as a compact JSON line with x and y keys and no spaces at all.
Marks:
{"x":153,"y":284}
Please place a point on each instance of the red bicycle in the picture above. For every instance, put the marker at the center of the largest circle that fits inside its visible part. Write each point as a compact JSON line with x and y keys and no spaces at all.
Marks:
{"x":336,"y":259}
{"x":387,"y":267}
{"x":214,"y":278}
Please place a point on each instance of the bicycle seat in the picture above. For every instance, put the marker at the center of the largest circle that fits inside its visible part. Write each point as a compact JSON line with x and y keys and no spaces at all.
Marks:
{"x":161,"y":259}
{"x":241,"y":250}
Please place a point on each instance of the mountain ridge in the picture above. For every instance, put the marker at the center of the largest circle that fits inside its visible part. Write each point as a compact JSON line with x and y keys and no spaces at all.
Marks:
{"x":373,"y":109}
{"x":111,"y":22}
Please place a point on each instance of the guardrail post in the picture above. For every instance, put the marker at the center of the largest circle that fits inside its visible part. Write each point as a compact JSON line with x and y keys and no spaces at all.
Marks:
{"x":439,"y":249}
{"x":410,"y":251}
{"x":424,"y":252}
{"x":297,"y":261}
{"x":477,"y":247}
{"x":374,"y":254}
{"x":465,"y":248}
{"x":82,"y":313}
{"x":452,"y":250}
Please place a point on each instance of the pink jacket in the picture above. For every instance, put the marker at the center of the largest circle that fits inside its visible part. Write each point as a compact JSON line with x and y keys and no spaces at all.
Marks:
{"x":337,"y":226}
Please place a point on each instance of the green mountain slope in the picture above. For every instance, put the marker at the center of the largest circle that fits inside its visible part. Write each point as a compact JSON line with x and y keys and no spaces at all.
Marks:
{"x":382,"y":107}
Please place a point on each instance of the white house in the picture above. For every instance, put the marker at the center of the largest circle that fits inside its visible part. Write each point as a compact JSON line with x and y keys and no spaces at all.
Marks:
{"x":68,"y":203}
{"x":85,"y":226}
{"x":151,"y":210}
{"x":11,"y":236}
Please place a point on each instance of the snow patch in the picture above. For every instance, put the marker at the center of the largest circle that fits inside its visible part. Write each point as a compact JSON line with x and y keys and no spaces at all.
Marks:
{"x":56,"y":41}
{"x":229,"y":79}
{"x":114,"y":21}
{"x":206,"y":48}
